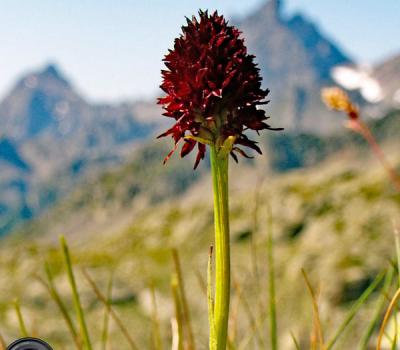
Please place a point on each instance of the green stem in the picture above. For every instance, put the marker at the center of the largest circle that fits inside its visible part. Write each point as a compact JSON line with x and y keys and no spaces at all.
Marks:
{"x":271,"y":279}
{"x":21,"y":321}
{"x":75,"y":295}
{"x":219,"y":170}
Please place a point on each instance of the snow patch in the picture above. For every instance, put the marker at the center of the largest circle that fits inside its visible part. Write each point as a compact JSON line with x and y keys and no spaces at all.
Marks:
{"x":358,"y":78}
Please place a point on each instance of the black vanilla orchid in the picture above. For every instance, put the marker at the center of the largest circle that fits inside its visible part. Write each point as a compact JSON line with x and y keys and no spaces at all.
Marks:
{"x":213,"y":91}
{"x":213,"y":88}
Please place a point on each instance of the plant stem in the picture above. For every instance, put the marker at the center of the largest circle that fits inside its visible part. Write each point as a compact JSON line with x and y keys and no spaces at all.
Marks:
{"x":219,"y":170}
{"x":389,"y":310}
{"x":21,"y":321}
{"x":364,"y":130}
{"x":185,"y":307}
{"x":271,"y":279}
{"x":212,"y":340}
{"x":106,"y":319}
{"x":75,"y":295}
{"x":178,"y":334}
{"x":354,"y":309}
{"x":51,"y":287}
{"x":378,"y":311}
{"x":107,"y":304}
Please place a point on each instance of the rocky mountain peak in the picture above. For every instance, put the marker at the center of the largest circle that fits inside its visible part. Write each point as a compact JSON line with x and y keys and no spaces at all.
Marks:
{"x":275,"y":7}
{"x":48,"y":78}
{"x":296,"y":60}
{"x":52,"y":71}
{"x":40,"y":101}
{"x":270,"y":11}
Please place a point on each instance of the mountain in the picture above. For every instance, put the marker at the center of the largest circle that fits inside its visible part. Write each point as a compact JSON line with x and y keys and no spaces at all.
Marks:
{"x":296,"y":61}
{"x":45,"y":105}
{"x":14,"y":177}
{"x":10,"y":155}
{"x":41,"y":102}
{"x":53,"y":138}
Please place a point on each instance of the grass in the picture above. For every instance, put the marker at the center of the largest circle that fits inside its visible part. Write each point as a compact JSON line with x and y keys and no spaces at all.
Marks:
{"x":177,"y":322}
{"x":139,"y":253}
{"x":127,"y":334}
{"x":181,"y":326}
{"x":106,"y":320}
{"x":22,"y":327}
{"x":54,"y":294}
{"x":210,"y":300}
{"x":182,"y":339}
{"x":75,"y":296}
{"x":369,"y":331}
{"x":183,"y":301}
{"x":353,"y":310}
{"x":156,"y":333}
{"x":271,"y":283}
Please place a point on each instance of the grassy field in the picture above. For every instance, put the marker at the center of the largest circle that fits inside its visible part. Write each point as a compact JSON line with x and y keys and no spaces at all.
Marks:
{"x":334,"y":219}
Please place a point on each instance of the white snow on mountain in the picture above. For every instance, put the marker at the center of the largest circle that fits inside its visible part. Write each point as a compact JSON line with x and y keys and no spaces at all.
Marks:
{"x":359,"y":78}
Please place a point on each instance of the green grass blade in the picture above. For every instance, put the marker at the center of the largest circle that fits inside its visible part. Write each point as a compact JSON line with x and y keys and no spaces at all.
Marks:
{"x":21,"y":322}
{"x":156,"y":334}
{"x":106,"y":319}
{"x":253,"y":243}
{"x":244,"y":344}
{"x":378,"y":312}
{"x":354,"y":309}
{"x":295,"y":342}
{"x":202,"y":282}
{"x":394,"y":343}
{"x":75,"y":295}
{"x":53,"y":292}
{"x":273,"y":324}
{"x":254,"y":329}
{"x":319,"y":336}
{"x":115,"y":317}
{"x":178,"y":313}
{"x":185,"y":306}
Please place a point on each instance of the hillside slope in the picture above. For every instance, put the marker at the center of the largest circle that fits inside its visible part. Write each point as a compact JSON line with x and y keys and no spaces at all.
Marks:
{"x":144,"y":180}
{"x":325,"y":219}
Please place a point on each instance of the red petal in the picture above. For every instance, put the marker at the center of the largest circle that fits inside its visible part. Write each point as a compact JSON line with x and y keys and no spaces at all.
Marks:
{"x":249,"y":143}
{"x":243,"y":153}
{"x":200,"y":154}
{"x":170,"y":153}
{"x":187,"y":147}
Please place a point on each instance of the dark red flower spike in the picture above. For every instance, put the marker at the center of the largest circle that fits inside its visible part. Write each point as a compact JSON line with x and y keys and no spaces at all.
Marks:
{"x":213,"y":88}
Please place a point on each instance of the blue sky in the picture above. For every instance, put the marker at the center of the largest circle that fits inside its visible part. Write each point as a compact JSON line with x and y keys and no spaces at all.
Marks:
{"x":112,"y":49}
